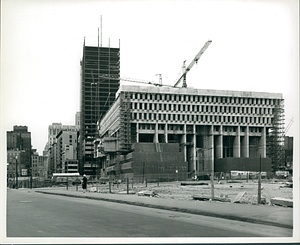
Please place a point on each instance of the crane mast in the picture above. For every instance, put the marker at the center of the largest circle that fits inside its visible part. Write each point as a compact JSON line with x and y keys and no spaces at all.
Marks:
{"x":187,"y":69}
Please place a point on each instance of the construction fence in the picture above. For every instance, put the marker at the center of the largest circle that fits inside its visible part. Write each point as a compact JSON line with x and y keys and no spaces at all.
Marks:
{"x":112,"y":183}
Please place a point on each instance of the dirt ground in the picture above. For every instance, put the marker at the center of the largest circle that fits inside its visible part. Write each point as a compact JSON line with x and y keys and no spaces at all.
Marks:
{"x":175,"y":190}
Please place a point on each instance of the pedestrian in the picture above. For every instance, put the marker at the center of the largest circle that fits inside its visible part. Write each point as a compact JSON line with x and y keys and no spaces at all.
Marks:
{"x":84,"y":183}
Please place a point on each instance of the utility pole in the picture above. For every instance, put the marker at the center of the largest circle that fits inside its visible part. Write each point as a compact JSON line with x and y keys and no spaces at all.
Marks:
{"x":212,"y":179}
{"x":143,"y":170}
{"x":259,"y":182}
{"x":30,"y":164}
{"x":16,"y":172}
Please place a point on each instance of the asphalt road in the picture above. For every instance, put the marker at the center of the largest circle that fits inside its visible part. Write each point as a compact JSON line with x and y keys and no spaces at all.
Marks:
{"x":31,"y":214}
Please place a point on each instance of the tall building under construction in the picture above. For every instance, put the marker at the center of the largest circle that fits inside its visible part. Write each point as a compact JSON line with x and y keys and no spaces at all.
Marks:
{"x":97,"y":95}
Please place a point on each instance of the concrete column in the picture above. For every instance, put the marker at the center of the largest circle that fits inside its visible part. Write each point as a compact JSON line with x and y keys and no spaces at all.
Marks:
{"x":237,"y":144}
{"x":210,"y":148}
{"x":194,"y":148}
{"x":137,"y":132}
{"x":245,"y":144}
{"x":219,"y":145}
{"x":262,"y":148}
{"x":156,"y":133}
{"x":166,"y":133}
{"x":184,"y":143}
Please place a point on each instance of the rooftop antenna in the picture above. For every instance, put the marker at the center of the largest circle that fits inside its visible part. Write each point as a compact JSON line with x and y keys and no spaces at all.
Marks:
{"x":160,"y":78}
{"x":100,"y":30}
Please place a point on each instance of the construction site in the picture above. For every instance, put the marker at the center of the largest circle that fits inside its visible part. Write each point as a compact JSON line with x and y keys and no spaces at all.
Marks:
{"x":171,"y":132}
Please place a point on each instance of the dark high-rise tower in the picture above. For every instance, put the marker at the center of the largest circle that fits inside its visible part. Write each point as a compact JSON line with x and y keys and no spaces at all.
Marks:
{"x":97,"y":95}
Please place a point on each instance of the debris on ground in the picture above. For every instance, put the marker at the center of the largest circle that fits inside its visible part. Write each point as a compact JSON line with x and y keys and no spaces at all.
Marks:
{"x":287,"y":185}
{"x":147,"y":193}
{"x":239,"y":197}
{"x":223,"y":192}
{"x":201,"y":198}
{"x":282,"y":202}
{"x":193,"y":183}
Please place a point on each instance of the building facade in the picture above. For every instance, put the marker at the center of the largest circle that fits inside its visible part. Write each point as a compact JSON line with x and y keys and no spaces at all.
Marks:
{"x":66,"y":151}
{"x":209,"y":125}
{"x":52,"y":152}
{"x":97,"y":95}
{"x":19,"y":143}
{"x":39,"y":165}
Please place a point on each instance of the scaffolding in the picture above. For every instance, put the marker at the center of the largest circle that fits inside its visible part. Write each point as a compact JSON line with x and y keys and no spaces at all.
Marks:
{"x":125,"y":134}
{"x":275,"y":137}
{"x":97,"y":95}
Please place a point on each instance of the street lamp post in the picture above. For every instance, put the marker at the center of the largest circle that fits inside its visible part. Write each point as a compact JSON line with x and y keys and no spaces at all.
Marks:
{"x":16,"y":172}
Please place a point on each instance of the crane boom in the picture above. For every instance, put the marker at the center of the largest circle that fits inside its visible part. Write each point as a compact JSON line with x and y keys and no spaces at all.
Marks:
{"x":134,"y":80}
{"x":195,"y":60}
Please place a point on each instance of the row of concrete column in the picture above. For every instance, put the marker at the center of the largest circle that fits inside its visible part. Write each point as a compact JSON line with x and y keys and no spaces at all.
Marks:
{"x":241,"y":146}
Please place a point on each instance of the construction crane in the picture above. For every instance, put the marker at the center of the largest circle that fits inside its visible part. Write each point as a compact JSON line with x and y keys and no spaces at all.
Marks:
{"x":195,"y":60}
{"x":288,"y":126}
{"x":127,"y":79}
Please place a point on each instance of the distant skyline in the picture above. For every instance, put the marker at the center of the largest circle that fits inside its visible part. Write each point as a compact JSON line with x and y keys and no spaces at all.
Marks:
{"x":254,"y":48}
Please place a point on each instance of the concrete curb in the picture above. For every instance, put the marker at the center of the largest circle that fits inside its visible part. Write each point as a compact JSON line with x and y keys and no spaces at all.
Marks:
{"x":176,"y":209}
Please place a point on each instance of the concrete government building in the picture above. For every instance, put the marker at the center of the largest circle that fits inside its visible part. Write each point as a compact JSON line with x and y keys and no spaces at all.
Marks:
{"x":189,"y":130}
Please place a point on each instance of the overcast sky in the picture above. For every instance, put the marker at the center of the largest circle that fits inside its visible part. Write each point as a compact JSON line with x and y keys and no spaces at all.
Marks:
{"x":254,"y":48}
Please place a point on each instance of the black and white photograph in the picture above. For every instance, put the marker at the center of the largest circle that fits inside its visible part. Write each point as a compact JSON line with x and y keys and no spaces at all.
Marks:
{"x":131,"y":122}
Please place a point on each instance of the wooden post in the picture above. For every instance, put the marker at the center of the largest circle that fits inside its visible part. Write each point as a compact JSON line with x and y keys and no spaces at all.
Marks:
{"x":146,"y":182}
{"x":109,"y":186}
{"x":132,"y":183}
{"x":127,"y":184}
{"x":259,"y":182}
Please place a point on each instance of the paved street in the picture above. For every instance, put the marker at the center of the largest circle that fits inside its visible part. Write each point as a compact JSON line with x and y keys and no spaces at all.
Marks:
{"x":31,"y":214}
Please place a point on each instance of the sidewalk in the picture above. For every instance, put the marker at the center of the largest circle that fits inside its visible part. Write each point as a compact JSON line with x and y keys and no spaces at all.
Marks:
{"x":259,"y":214}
